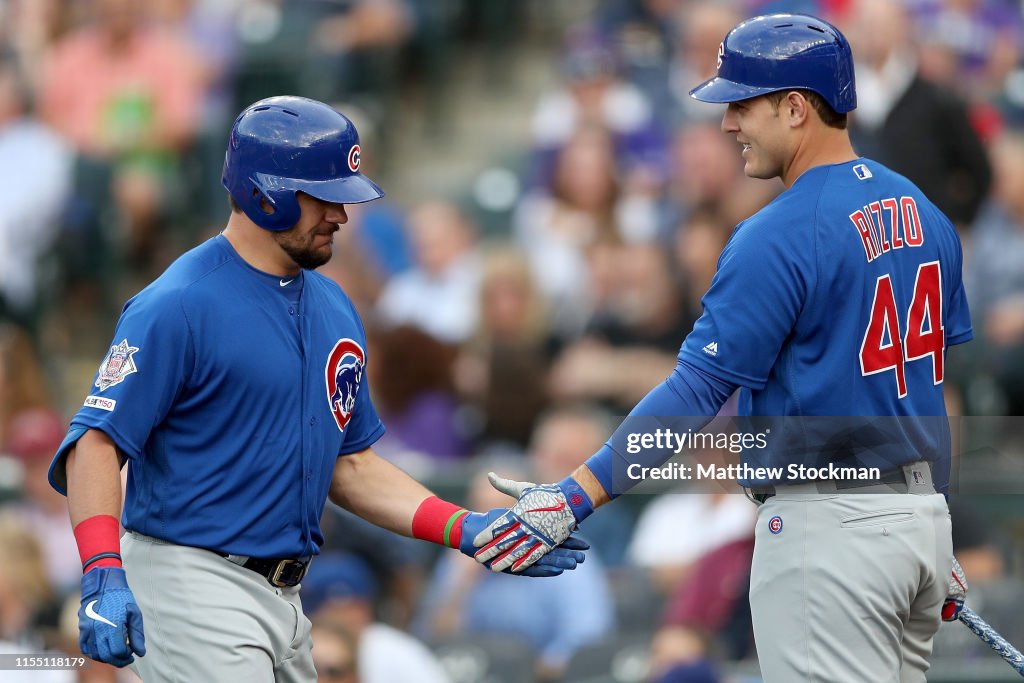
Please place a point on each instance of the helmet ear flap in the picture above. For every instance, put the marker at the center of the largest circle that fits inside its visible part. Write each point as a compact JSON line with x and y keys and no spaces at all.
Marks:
{"x":271,"y":208}
{"x":264,"y":202}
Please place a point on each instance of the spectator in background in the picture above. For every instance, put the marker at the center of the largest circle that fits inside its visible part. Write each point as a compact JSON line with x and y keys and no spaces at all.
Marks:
{"x":640,"y":32}
{"x":501,"y":371}
{"x":355,"y":49}
{"x":977,"y":42}
{"x":24,"y":589}
{"x":678,"y":656}
{"x":707,"y":174}
{"x":33,"y":437}
{"x":593,"y":95}
{"x":915,"y":127}
{"x":711,"y":519}
{"x":557,"y":227}
{"x":22,"y":384}
{"x":698,"y":243}
{"x":439,"y":294}
{"x":31,"y":27}
{"x":128,"y":96}
{"x":994,"y":279}
{"x":555,"y":617}
{"x":35,"y":180}
{"x":711,"y":602}
{"x":975,"y":544}
{"x":415,"y":396}
{"x":209,"y":27}
{"x":631,"y":342}
{"x":339,"y":590}
{"x":705,"y":573}
{"x":700,"y":29}
{"x":334,"y":653}
{"x":354,"y":265}
{"x":398,"y":563}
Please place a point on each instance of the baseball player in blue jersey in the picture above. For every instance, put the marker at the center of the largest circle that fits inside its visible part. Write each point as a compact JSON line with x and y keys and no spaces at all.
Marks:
{"x":235,"y":389}
{"x":839,"y":298}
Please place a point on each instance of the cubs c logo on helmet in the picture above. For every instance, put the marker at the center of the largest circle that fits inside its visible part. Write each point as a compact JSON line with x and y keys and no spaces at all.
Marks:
{"x":353,"y":158}
{"x":344,"y":374}
{"x":721,"y":53}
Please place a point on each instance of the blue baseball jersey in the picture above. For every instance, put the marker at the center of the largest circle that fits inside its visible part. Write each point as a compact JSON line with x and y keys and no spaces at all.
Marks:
{"x":839,"y":298}
{"x":232,"y":393}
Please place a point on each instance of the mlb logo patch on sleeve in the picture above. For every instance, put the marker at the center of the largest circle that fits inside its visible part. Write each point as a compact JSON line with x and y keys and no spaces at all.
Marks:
{"x":862,"y":171}
{"x":117,"y":365}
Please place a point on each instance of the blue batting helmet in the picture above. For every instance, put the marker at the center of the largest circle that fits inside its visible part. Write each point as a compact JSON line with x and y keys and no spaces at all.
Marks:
{"x":783,"y":52}
{"x":283,"y":145}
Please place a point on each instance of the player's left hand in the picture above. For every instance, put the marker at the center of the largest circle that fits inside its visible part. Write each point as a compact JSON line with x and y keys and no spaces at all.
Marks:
{"x":541,"y":520}
{"x":563,"y":558}
{"x":954,"y":603}
{"x":110,"y":621}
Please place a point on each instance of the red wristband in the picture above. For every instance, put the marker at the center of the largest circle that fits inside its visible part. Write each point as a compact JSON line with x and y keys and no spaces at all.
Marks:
{"x":438,"y":521}
{"x":99,"y":543}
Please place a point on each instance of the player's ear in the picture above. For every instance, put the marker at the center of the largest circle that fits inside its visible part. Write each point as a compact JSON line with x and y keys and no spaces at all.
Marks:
{"x":796,"y":108}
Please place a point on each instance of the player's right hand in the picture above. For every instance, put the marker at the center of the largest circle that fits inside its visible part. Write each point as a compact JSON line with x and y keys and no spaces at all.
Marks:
{"x":956,"y":594}
{"x":564,"y":557}
{"x":541,"y":521}
{"x":110,"y":621}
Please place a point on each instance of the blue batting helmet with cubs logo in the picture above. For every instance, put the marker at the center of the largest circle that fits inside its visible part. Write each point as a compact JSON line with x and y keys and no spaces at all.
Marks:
{"x":783,"y":52}
{"x":344,"y":374}
{"x":283,"y":145}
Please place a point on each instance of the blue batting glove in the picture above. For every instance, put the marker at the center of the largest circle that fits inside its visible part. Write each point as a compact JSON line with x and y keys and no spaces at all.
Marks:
{"x":542,"y":519}
{"x":563,"y":558}
{"x":109,"y":621}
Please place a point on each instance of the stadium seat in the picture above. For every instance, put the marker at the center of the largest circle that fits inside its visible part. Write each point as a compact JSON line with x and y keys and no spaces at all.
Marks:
{"x":487,"y":659}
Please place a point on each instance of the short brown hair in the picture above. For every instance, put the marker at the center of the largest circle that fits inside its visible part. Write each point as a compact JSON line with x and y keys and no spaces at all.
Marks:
{"x":235,"y":208}
{"x":829,"y":116}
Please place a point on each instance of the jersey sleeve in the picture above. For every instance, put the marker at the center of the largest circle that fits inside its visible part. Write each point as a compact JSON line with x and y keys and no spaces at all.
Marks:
{"x":138,"y":380}
{"x":755,"y":298}
{"x":958,"y":318}
{"x":365,"y":427}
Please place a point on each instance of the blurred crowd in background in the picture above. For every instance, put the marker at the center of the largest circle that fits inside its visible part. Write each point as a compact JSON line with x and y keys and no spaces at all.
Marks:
{"x":507,"y":326}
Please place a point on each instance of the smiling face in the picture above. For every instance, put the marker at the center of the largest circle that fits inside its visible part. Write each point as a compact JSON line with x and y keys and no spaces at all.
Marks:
{"x":309,"y":242}
{"x":764,"y":134}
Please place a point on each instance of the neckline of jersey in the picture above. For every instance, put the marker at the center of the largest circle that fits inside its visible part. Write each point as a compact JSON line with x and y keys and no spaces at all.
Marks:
{"x":290,"y":284}
{"x":825,"y":167}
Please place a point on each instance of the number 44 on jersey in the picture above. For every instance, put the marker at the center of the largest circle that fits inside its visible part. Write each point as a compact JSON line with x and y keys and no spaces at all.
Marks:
{"x":884,"y":348}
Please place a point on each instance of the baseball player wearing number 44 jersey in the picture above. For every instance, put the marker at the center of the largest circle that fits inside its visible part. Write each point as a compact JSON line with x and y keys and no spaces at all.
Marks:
{"x":839,"y":298}
{"x":235,"y":388}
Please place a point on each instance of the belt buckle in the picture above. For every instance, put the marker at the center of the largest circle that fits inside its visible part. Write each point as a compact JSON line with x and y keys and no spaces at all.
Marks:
{"x":281,"y":568}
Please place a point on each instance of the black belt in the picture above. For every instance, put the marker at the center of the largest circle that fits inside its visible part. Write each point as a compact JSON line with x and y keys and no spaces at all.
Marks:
{"x":896,"y":476}
{"x":280,"y":573}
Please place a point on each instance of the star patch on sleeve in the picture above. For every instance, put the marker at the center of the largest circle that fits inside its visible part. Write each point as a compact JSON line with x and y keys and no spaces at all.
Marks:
{"x":117,"y":365}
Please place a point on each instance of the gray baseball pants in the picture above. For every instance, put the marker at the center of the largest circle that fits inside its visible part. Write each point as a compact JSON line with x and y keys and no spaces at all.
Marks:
{"x":850,"y":588}
{"x":207,"y":619}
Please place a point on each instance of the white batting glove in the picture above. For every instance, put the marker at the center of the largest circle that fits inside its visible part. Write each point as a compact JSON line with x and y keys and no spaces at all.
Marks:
{"x":954,"y":603}
{"x":542,"y":518}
